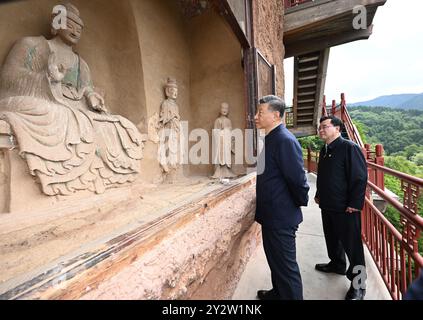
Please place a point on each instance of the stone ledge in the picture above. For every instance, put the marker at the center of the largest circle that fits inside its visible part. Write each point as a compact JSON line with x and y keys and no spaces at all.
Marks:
{"x":82,"y":275}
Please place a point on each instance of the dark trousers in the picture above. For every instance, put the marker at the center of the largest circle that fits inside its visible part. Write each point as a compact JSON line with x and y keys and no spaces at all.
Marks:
{"x":343,"y":236}
{"x":279,"y":247}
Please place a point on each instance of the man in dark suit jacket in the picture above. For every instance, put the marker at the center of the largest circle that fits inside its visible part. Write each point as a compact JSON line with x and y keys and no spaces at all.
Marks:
{"x":341,"y":188}
{"x":281,"y":189}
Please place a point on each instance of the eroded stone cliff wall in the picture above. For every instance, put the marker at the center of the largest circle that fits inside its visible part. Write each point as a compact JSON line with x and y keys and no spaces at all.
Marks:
{"x":268,"y":36}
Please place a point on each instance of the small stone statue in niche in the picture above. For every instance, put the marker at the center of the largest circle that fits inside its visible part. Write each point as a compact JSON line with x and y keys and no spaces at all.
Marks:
{"x":170,"y":133}
{"x":67,"y":137}
{"x":222,"y":143}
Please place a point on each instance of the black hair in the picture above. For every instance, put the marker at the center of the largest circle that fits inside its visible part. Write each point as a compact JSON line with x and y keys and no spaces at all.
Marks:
{"x":336,"y":122}
{"x":275,"y":103}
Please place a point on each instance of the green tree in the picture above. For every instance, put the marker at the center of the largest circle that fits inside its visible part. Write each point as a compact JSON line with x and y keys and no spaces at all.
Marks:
{"x":314,"y":142}
{"x":400,"y":131}
{"x":418,"y":159}
{"x":411,"y":150}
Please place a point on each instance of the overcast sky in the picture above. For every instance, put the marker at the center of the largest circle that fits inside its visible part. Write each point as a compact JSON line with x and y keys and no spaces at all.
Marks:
{"x":389,"y":62}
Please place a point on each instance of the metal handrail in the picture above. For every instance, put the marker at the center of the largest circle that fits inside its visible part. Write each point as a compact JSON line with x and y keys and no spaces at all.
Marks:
{"x":389,"y":259}
{"x":401,"y":175}
{"x":414,"y":218}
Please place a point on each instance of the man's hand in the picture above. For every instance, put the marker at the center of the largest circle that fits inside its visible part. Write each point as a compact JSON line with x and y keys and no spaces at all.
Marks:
{"x":96,"y":102}
{"x":316,"y":200}
{"x":351,"y":210}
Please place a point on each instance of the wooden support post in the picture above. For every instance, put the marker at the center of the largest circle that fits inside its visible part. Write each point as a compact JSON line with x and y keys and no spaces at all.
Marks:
{"x":343,"y":105}
{"x":324,"y":112}
{"x":333,"y":109}
{"x":379,"y":159}
{"x":370,"y":172}
{"x":367,"y":147}
{"x":308,"y":159}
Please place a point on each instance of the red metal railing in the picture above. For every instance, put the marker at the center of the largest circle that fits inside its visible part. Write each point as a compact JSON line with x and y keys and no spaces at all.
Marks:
{"x":294,"y":3}
{"x":395,"y":252}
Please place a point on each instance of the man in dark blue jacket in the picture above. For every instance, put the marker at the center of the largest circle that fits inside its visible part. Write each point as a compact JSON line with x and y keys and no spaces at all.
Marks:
{"x":341,"y":188}
{"x":281,"y":189}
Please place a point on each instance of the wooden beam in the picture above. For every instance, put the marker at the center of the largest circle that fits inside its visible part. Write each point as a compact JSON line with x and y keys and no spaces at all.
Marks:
{"x":303,"y":131}
{"x":225,"y":10}
{"x":323,"y":11}
{"x":306,"y":46}
{"x":306,"y":5}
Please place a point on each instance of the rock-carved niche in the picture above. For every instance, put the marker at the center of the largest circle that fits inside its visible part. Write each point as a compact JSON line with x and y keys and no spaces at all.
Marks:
{"x":61,"y":124}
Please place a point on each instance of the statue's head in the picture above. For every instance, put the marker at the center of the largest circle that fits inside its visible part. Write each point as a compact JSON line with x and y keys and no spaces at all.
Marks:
{"x":171,"y":89}
{"x":224,"y":108}
{"x":66,"y":23}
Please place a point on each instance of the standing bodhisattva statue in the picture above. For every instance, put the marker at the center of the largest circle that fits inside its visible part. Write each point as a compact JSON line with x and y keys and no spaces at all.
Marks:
{"x":222,"y":135}
{"x":64,"y":132}
{"x":170,"y":133}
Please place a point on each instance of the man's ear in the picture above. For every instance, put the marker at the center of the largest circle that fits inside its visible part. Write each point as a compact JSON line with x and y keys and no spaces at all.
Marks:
{"x":279,"y":115}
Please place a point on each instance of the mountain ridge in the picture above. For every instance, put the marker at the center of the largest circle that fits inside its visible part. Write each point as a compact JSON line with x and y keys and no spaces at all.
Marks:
{"x":402,"y":101}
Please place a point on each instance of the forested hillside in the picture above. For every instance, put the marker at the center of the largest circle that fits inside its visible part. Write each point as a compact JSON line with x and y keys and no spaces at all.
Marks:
{"x":400,"y":131}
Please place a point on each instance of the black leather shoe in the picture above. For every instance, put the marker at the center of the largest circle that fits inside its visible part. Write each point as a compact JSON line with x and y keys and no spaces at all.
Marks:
{"x":355,"y":294}
{"x":326,"y":267}
{"x":267,"y":295}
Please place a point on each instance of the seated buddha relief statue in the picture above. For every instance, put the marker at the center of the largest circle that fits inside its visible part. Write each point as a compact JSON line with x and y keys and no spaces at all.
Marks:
{"x":62,"y":127}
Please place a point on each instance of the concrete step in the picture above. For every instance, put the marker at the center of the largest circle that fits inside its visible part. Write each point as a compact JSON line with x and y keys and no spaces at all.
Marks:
{"x":306,"y":93}
{"x":308,"y":114}
{"x":304,"y":59}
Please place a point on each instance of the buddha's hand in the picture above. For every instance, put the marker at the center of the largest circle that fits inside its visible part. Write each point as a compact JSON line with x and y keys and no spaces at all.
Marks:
{"x":56,"y":72}
{"x":96,"y":102}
